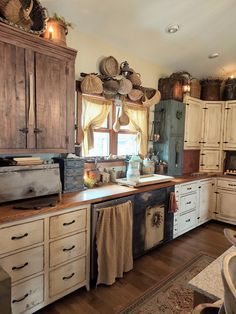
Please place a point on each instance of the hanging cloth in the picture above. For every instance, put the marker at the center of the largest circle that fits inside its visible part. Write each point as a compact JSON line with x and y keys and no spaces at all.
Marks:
{"x":114,"y":242}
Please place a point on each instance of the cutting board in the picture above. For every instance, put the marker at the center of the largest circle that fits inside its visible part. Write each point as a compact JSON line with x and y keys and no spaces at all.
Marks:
{"x":145,"y":180}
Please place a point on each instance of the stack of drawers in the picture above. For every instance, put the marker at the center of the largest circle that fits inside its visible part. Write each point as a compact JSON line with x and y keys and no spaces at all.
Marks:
{"x":22,"y":257}
{"x":46,"y":257}
{"x":67,"y":251}
{"x":71,"y":173}
{"x":186,"y":217}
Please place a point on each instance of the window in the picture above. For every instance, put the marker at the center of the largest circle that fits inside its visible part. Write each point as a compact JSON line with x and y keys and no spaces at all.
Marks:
{"x":102,"y":140}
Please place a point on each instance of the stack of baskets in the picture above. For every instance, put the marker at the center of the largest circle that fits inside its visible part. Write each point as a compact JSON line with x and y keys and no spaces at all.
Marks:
{"x":118,"y":80}
{"x":28,"y":15}
{"x":210,"y":89}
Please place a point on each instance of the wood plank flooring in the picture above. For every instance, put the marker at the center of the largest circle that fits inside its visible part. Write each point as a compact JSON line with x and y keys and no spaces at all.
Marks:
{"x":148,"y":270}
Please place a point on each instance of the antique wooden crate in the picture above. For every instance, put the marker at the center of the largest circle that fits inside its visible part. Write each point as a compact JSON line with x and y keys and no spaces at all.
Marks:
{"x":71,"y":173}
{"x":22,"y":182}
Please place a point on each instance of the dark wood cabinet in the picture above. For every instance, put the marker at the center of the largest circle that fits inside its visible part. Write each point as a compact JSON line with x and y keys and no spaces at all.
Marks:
{"x":36,"y":94}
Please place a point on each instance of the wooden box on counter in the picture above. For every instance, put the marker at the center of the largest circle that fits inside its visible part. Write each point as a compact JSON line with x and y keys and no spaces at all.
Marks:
{"x":71,"y":173}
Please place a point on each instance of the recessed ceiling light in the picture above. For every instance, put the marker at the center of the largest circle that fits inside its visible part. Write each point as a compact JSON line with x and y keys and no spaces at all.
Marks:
{"x":171,"y":29}
{"x":213,"y":55}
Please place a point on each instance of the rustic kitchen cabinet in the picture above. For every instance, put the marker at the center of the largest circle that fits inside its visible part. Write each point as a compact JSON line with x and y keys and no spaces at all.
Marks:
{"x":36,"y":94}
{"x":225,"y":200}
{"x":205,"y":200}
{"x":229,"y":142}
{"x":47,"y":257}
{"x":193,"y":123}
{"x":210,"y":160}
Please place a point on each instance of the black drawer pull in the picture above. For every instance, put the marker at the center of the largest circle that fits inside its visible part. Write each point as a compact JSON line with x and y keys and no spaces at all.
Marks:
{"x":19,"y":300}
{"x":20,"y":267}
{"x":188,"y":203}
{"x":69,"y":223}
{"x":70,"y":249}
{"x":188,"y":220}
{"x":68,"y":277}
{"x":231,"y":184}
{"x":20,"y":237}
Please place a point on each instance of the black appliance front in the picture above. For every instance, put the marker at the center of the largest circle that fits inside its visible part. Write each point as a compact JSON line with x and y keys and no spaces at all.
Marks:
{"x":151,"y":219}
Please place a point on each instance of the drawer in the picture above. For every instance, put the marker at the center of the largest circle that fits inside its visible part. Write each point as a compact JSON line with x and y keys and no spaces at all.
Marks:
{"x":67,"y":248}
{"x":67,"y":276}
{"x":66,"y":223}
{"x":226,"y":184}
{"x":188,"y":202}
{"x":20,"y":236}
{"x":187,"y":221}
{"x":23,"y":264}
{"x":74,"y":172}
{"x":27,"y":295}
{"x":188,"y":188}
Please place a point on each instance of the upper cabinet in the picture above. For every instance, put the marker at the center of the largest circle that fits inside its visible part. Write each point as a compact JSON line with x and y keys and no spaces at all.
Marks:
{"x":212,"y":124}
{"x":36,"y":94}
{"x":193,"y":123}
{"x":229,"y":142}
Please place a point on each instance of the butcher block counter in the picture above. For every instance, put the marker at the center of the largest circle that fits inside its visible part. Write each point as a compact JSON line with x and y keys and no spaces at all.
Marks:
{"x":89,"y":196}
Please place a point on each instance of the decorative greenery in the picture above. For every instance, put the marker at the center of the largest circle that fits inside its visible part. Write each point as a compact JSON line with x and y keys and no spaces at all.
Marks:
{"x":62,"y":20}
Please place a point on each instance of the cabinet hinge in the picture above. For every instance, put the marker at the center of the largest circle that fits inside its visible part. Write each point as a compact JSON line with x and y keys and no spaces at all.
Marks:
{"x":204,"y":108}
{"x":187,"y":104}
{"x":76,"y":127}
{"x":215,"y":213}
{"x":67,"y":139}
{"x":227,"y":108}
{"x":67,"y":70}
{"x":216,"y":192}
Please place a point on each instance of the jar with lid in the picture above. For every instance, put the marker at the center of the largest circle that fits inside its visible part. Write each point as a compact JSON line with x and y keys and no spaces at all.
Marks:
{"x":133,"y":171}
{"x":148,"y":166}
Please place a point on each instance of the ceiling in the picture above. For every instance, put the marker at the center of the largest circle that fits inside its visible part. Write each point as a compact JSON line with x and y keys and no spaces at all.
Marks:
{"x":138,"y":26}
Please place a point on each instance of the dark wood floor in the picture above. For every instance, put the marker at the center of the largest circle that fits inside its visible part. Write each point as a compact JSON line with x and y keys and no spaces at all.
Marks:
{"x":148,"y":270}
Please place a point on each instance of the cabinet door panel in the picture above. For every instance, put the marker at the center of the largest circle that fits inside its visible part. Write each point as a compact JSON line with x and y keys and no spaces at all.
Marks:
{"x":225,"y":205}
{"x":205,"y":201}
{"x":212,"y":125}
{"x":51,"y":103}
{"x":12,"y":97}
{"x":193,"y":124}
{"x":210,"y":160}
{"x":230,"y":126}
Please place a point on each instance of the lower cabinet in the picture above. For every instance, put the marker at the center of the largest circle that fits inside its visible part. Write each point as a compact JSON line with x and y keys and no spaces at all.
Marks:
{"x":205,"y":200}
{"x":225,"y":209}
{"x":46,"y":257}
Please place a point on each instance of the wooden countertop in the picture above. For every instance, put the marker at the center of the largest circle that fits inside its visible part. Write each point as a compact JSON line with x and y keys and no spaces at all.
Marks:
{"x":89,"y":196}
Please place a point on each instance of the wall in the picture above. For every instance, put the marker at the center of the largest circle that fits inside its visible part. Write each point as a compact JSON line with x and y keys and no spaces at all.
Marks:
{"x":91,"y":50}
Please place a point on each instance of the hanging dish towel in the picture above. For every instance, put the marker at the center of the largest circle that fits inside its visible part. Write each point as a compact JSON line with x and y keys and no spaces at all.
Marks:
{"x":114,"y":242}
{"x":173,"y":206}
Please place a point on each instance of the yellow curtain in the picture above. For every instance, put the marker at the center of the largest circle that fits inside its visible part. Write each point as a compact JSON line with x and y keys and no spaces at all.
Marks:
{"x":94,"y":113}
{"x":139,"y":123}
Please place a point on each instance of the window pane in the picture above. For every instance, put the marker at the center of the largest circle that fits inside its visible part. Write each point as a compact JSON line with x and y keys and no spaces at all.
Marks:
{"x":127,"y":144}
{"x":101,"y":144}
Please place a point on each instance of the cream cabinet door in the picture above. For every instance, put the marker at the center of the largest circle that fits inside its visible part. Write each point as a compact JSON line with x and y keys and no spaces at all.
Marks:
{"x":212,"y":124}
{"x":210,"y":160}
{"x":230,"y":125}
{"x":225,"y":206}
{"x":193,"y":124}
{"x":205,"y":201}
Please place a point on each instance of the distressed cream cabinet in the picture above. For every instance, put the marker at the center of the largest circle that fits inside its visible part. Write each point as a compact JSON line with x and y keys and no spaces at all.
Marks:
{"x":225,"y":193}
{"x":229,"y":142}
{"x":193,"y":123}
{"x":47,"y":257}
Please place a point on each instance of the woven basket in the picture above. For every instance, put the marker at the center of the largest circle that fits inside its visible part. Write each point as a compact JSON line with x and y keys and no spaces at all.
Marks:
{"x":135,"y":78}
{"x":91,"y":84}
{"x":135,"y":94}
{"x":109,"y":66}
{"x":210,"y":89}
{"x":125,"y":86}
{"x":111,"y":87}
{"x":195,"y":88}
{"x":149,"y":102}
{"x":31,"y":19}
